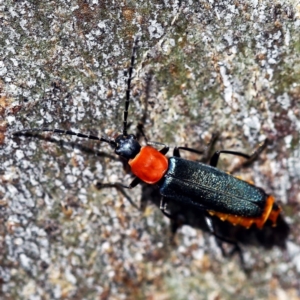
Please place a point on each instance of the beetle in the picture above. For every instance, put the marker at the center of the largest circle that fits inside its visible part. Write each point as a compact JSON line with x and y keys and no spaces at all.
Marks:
{"x":195,"y":185}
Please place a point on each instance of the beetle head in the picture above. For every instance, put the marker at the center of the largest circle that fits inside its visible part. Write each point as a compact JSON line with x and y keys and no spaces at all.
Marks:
{"x":127,"y":146}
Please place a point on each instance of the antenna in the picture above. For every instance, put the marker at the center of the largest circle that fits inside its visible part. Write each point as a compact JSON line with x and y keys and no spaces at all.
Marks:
{"x":127,"y":100}
{"x":29,"y":132}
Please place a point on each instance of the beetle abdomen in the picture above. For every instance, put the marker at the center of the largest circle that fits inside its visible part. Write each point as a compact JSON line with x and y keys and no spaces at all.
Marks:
{"x":223,"y":195}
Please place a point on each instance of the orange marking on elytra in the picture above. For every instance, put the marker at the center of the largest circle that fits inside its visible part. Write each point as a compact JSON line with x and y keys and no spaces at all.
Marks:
{"x":268,"y":214}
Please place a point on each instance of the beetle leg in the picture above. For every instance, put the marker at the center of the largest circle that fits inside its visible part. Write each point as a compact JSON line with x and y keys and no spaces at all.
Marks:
{"x":164,"y":150}
{"x":250,"y":158}
{"x":176,"y":151}
{"x":256,"y":153}
{"x":133,"y":184}
{"x":220,"y":239}
{"x":167,"y":214}
{"x":206,"y":152}
{"x":163,"y":204}
{"x":215,"y":158}
{"x":163,"y":208}
{"x":140,"y":128}
{"x":120,"y":187}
